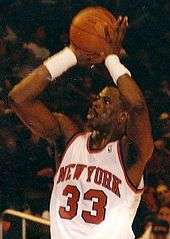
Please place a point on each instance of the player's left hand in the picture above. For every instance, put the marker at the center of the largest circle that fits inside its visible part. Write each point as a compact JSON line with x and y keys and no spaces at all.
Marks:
{"x":114,"y":37}
{"x":119,"y":34}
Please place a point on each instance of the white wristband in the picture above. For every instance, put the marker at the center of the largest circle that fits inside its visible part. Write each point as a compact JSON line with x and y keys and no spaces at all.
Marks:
{"x":115,"y":68}
{"x":60,"y":62}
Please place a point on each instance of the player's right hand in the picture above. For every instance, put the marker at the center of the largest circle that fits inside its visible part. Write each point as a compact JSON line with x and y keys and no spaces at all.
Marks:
{"x":119,"y":34}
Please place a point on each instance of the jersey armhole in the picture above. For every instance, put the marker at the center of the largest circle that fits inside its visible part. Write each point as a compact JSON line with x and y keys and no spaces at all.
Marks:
{"x":135,"y":189}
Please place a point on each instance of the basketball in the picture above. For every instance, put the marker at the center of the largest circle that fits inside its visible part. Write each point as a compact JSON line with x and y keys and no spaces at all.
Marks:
{"x":92,"y":31}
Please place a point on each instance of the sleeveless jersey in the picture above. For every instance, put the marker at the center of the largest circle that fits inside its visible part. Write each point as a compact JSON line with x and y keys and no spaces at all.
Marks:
{"x":92,"y":197}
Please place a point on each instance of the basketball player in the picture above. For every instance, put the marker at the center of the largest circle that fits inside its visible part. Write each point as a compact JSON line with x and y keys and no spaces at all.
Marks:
{"x":99,"y":183}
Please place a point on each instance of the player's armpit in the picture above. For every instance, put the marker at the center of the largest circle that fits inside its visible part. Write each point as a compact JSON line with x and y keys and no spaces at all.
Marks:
{"x":37,"y":118}
{"x":68,"y":128}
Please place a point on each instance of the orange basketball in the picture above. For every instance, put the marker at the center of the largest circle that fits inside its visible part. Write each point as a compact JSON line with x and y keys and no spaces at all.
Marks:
{"x":92,"y":31}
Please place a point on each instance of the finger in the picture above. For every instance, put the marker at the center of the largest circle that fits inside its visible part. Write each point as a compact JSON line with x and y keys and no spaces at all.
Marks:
{"x":118,"y":22}
{"x":123,"y":28}
{"x":124,"y":24}
{"x":107,"y":34}
{"x":126,"y":21}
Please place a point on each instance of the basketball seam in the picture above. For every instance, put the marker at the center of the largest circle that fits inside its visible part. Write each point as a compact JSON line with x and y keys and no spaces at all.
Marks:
{"x":90,"y":32}
{"x":84,"y":50}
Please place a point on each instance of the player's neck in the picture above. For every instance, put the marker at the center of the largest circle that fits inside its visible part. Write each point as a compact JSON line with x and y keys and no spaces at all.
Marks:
{"x":98,"y":140}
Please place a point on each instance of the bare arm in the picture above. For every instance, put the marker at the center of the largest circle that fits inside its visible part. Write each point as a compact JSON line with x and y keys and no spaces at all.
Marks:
{"x":31,"y":111}
{"x":34,"y":114}
{"x":138,"y":127}
{"x":138,"y":124}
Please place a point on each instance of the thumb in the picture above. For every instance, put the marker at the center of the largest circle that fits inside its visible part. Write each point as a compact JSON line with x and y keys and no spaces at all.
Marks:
{"x":122,"y":53}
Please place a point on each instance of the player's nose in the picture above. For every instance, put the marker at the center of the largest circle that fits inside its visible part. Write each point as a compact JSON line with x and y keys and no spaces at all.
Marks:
{"x":96,"y":102}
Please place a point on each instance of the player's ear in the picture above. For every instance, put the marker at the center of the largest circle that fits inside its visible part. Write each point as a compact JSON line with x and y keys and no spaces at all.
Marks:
{"x":123,"y":115}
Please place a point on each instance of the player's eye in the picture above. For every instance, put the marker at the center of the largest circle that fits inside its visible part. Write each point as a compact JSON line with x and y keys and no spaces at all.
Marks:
{"x":107,"y":100}
{"x":97,"y":97}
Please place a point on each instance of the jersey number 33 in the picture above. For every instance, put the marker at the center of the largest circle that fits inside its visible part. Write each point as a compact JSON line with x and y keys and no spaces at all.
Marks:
{"x":98,"y":197}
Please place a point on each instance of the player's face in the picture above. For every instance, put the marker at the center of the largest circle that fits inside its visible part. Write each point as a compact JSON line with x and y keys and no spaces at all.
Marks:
{"x":105,"y":109}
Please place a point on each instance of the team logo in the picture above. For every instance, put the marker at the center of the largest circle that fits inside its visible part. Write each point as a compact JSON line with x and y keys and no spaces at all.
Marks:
{"x":109,"y":148}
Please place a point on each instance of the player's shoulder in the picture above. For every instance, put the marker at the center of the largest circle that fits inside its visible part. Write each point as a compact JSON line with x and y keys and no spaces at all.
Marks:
{"x":64,"y":120}
{"x":81,"y":136}
{"x":68,"y":128}
{"x":61,"y":116}
{"x":78,"y":141}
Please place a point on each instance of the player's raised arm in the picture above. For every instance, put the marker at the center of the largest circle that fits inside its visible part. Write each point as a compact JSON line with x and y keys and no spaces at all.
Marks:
{"x":138,"y":123}
{"x":23,"y":97}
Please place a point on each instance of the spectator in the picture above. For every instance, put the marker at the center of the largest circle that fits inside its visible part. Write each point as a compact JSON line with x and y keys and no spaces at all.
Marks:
{"x":164,"y":212}
{"x":37,"y":43}
{"x":157,"y":230}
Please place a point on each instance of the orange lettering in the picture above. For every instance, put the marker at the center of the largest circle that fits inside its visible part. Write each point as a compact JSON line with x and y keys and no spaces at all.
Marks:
{"x":69,"y":171}
{"x":107,"y":180}
{"x":98,"y":176}
{"x":90,"y":171}
{"x":62,"y":174}
{"x":78,"y":171}
{"x":115,"y":185}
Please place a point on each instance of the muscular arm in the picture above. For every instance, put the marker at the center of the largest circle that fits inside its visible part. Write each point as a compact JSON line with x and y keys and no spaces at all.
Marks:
{"x":32,"y":112}
{"x":138,"y":126}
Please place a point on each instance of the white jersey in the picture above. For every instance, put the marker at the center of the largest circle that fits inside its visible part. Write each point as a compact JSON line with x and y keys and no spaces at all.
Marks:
{"x":92,"y":197}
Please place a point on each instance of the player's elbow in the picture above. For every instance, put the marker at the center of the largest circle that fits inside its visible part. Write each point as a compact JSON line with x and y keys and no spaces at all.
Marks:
{"x":11,"y":100}
{"x":14,"y":98}
{"x":13,"y":103}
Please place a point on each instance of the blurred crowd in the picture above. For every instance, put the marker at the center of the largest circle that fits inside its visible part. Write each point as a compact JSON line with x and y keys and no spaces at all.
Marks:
{"x":30,"y":31}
